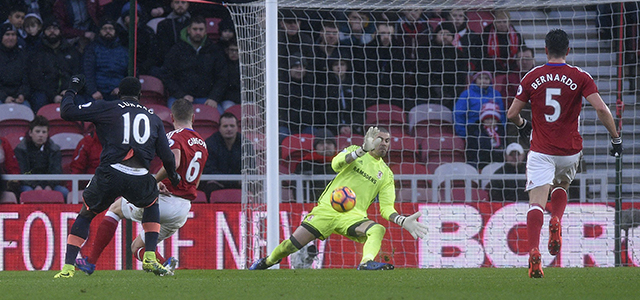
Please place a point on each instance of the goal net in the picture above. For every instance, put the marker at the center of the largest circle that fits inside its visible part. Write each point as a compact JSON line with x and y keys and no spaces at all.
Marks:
{"x":439,"y":75}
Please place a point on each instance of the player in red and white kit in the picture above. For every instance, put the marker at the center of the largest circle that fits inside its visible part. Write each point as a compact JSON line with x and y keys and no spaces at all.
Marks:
{"x":190,"y":153}
{"x":555,"y":91}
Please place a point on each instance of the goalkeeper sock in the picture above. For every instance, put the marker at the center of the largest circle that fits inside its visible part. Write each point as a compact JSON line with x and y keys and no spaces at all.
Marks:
{"x":535,"y":218}
{"x":558,"y":202}
{"x":375,"y":233}
{"x":283,"y":250}
{"x":105,"y":233}
{"x":78,"y":234}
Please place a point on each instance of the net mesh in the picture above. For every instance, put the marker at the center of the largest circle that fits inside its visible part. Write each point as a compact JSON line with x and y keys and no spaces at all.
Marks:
{"x":347,"y":65}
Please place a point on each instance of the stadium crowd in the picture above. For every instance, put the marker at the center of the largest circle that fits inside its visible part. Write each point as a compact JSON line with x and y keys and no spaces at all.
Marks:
{"x":338,"y":74}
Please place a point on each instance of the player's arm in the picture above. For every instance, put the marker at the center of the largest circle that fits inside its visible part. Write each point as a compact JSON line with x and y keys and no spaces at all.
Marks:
{"x":71,"y":111}
{"x":162,"y":173}
{"x":524,"y":126}
{"x":387,"y":198}
{"x":370,"y":142}
{"x":605,"y":116}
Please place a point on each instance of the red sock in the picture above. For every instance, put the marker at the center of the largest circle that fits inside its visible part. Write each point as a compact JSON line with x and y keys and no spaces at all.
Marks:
{"x":535,"y":218}
{"x":558,"y":202}
{"x":140,"y":253}
{"x":105,"y":233}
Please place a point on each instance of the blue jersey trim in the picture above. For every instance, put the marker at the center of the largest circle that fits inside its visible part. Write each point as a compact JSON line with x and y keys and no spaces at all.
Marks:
{"x":556,"y":65}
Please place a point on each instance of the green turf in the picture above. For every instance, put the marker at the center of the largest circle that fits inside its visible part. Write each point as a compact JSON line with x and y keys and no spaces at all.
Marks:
{"x":567,"y":283}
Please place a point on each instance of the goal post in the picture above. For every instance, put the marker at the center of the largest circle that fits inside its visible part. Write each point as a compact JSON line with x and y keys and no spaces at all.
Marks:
{"x":412,"y":86}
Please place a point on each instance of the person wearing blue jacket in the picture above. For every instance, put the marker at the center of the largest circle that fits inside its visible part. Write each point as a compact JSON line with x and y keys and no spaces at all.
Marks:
{"x":105,"y":63}
{"x":469,"y":104}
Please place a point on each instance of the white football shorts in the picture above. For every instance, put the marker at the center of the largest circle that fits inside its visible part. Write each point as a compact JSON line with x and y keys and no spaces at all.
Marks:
{"x":173,"y":214}
{"x":550,"y":169}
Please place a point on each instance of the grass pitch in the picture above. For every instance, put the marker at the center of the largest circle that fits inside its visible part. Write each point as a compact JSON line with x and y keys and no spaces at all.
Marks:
{"x":485,"y":283}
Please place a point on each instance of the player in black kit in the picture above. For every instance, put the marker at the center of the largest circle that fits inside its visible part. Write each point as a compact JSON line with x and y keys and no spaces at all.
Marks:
{"x":131,"y":136}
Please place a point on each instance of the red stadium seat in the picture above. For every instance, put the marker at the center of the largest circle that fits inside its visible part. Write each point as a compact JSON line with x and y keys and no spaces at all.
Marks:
{"x":428,"y":119}
{"x":14,"y":138}
{"x":226,"y":196}
{"x":41,"y":196}
{"x":211,"y":27}
{"x":388,"y":116}
{"x":206,"y":120}
{"x":236,"y":110}
{"x":294,"y":148}
{"x":439,"y":149}
{"x":164,"y":113}
{"x":408,"y":168}
{"x":56,"y":123}
{"x":403,"y":149}
{"x":344,"y":141}
{"x":251,"y":114}
{"x":67,"y":142}
{"x":455,"y":168}
{"x":201,"y":197}
{"x":152,"y":91}
{"x":14,"y":118}
{"x":477,"y":20}
{"x":8,"y":198}
{"x":458,"y":195}
{"x":422,"y":195}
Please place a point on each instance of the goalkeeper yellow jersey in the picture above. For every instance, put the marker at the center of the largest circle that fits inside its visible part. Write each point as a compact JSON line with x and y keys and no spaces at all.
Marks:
{"x":367,"y":177}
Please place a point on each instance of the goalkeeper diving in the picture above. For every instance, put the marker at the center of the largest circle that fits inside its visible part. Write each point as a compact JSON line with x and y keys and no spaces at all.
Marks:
{"x":365,"y":172}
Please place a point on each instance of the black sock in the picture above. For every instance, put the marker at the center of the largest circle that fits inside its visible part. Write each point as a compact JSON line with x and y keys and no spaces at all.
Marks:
{"x":79,"y":229}
{"x":151,"y":215}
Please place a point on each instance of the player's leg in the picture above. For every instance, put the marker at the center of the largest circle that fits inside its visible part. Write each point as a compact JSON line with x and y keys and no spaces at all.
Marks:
{"x":104,"y":235}
{"x":371,"y":233}
{"x":78,"y":234}
{"x":302,"y":236}
{"x":567,"y":167}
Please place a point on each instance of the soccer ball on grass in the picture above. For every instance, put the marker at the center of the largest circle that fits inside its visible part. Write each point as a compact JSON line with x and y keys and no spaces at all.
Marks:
{"x":343,"y":199}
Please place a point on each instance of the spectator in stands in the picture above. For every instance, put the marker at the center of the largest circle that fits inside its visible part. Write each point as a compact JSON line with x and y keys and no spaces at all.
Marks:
{"x":464,"y":38}
{"x":341,"y":107}
{"x":37,"y":154}
{"x":227,"y":154}
{"x":52,"y":63}
{"x":78,"y":19}
{"x":501,"y":43}
{"x":146,"y":48}
{"x":412,"y":30}
{"x":14,"y":80}
{"x":231,"y":94}
{"x":195,"y":68}
{"x":8,"y":162}
{"x":359,"y":29}
{"x":86,"y":157}
{"x":325,"y":48}
{"x":105,"y":63}
{"x":33,"y":29}
{"x":227,"y":31}
{"x":469,"y":104}
{"x":16,"y":18}
{"x":168,"y":31}
{"x":485,"y":138}
{"x":444,"y":65}
{"x":291,"y":40}
{"x":296,"y":100}
{"x":510,"y":189}
{"x":319,"y":163}
{"x":384,"y":71}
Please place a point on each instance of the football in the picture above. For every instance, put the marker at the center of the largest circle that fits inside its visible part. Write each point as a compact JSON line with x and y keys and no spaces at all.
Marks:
{"x":343,"y":199}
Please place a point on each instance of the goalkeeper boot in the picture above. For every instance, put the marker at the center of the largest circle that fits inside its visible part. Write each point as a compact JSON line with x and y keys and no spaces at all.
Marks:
{"x":374,"y":265}
{"x":66,"y":272}
{"x":535,"y":264}
{"x":171,"y":264}
{"x":261,"y":264}
{"x":84,"y":265}
{"x":151,"y":264}
{"x":555,"y":236}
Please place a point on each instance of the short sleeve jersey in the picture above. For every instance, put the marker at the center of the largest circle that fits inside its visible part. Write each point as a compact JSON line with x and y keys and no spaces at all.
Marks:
{"x":193,"y":155}
{"x":555,"y":92}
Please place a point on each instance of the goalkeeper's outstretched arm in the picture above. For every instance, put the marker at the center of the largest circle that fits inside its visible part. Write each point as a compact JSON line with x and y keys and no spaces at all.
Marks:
{"x":411,"y":224}
{"x":370,"y":142}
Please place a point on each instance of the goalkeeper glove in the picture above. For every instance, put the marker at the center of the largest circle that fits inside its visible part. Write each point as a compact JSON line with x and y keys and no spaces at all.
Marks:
{"x":76,"y":83}
{"x":411,"y":224}
{"x":371,"y":141}
{"x":525,"y":129}
{"x":616,"y":143}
